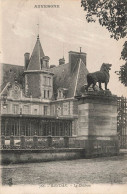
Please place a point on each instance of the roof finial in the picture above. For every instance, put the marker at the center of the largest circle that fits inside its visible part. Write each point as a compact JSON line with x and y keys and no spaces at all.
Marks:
{"x":63,"y":50}
{"x":80,"y":49}
{"x":38,"y":31}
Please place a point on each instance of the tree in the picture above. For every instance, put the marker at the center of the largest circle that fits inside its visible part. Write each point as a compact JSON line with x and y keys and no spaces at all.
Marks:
{"x":124,"y":51}
{"x":123,"y":74}
{"x":123,"y":69}
{"x":112,"y":15}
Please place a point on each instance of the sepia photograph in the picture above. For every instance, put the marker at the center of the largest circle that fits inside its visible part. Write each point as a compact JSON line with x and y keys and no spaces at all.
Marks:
{"x":63,"y":94}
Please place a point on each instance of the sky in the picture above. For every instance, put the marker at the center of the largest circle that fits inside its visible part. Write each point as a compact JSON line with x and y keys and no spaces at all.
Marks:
{"x":61,"y":30}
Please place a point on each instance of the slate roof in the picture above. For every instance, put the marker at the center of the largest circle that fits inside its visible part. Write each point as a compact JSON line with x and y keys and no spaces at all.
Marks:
{"x":73,"y":81}
{"x":36,"y":57}
{"x":10,"y":73}
{"x":81,"y":78}
{"x":70,"y":76}
{"x":63,"y":78}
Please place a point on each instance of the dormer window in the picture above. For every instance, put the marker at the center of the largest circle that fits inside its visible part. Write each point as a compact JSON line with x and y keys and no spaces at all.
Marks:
{"x":60,"y":93}
{"x":46,"y":61}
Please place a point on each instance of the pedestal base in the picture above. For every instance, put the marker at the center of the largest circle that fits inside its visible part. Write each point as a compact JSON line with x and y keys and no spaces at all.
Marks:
{"x":97,"y":118}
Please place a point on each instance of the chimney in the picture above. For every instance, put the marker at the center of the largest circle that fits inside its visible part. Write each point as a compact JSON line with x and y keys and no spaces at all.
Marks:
{"x":46,"y":61}
{"x":62,"y":61}
{"x":26,"y":60}
{"x":74,"y":57}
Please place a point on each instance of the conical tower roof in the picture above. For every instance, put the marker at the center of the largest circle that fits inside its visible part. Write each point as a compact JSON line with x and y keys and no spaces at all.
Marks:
{"x":36,"y":57}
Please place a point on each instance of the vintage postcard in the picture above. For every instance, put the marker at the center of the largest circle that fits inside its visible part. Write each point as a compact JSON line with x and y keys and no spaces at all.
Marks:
{"x":63,"y":93}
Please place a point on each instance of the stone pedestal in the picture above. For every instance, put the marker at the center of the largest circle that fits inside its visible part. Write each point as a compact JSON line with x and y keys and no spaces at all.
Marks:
{"x":97,"y":118}
{"x":66,"y":141}
{"x":22,"y":141}
{"x":11,"y":141}
{"x":35,"y":141}
{"x":49,"y":141}
{"x":2,"y":141}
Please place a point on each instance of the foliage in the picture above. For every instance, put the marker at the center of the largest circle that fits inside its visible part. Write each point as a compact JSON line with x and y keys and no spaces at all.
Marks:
{"x":112,"y":15}
{"x":124,"y":51}
{"x":123,"y":69}
{"x":123,"y":74}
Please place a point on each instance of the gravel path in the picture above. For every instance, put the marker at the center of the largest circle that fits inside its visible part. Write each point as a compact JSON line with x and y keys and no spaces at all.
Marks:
{"x":84,"y":171}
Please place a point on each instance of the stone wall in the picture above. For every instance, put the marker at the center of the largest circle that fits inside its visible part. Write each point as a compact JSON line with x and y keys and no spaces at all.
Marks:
{"x":23,"y":156}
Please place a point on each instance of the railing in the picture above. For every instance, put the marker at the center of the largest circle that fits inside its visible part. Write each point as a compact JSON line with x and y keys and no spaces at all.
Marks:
{"x":36,"y":142}
{"x":96,"y":144}
{"x":122,"y":121}
{"x":123,"y":141}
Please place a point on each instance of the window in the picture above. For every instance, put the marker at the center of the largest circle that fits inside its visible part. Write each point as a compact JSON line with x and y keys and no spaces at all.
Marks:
{"x":35,"y":111}
{"x":5,"y":108}
{"x":48,"y":92}
{"x":26,"y":109}
{"x":41,"y":61}
{"x":46,"y":63}
{"x":60,"y":94}
{"x":47,"y":81}
{"x":45,"y":110}
{"x":66,"y":108}
{"x":59,"y":110}
{"x":53,"y":109}
{"x":44,"y":93}
{"x":15,"y":109}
